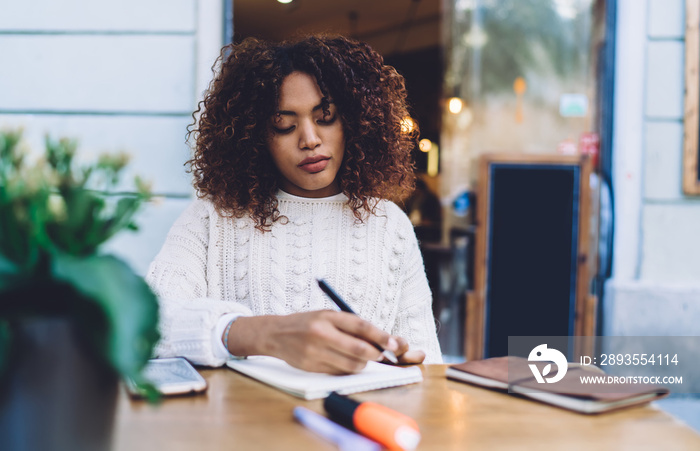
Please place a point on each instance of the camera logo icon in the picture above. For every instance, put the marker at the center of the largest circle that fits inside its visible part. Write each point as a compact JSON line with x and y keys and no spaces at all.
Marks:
{"x":542,"y":353}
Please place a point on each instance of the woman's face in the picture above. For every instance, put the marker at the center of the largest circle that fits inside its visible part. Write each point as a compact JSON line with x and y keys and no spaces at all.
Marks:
{"x":306,"y":145}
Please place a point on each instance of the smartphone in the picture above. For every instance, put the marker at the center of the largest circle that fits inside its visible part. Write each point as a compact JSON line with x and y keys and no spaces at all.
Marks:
{"x":172,"y":376}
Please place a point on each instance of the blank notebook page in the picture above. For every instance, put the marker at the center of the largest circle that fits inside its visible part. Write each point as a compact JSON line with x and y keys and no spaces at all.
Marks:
{"x":307,"y":385}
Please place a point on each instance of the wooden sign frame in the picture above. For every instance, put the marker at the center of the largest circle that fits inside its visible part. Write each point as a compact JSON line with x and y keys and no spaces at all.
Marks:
{"x":691,"y":119}
{"x":585,"y":304}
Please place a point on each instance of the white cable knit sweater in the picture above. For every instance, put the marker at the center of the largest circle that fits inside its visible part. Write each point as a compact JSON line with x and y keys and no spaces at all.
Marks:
{"x":212,"y":265}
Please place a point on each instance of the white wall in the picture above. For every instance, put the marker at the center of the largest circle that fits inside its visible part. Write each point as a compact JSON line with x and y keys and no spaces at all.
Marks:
{"x":118,"y":76}
{"x":655,"y":289}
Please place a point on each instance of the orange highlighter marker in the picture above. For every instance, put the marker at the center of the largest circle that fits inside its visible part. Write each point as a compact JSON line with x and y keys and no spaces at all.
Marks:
{"x":390,"y":428}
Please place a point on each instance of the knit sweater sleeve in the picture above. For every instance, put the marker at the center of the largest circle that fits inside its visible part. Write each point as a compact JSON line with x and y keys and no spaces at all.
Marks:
{"x":178,"y":276}
{"x":415,"y":320}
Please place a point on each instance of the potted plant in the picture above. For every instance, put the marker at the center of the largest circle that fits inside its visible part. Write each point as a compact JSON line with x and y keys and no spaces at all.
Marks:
{"x":72,"y":320}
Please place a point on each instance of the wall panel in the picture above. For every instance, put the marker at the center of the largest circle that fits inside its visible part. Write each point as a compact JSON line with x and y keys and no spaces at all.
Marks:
{"x":98,"y":15}
{"x":79,"y":73}
{"x":156,"y":143}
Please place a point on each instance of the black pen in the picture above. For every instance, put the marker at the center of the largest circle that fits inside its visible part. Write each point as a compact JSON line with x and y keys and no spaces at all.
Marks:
{"x":390,"y":356}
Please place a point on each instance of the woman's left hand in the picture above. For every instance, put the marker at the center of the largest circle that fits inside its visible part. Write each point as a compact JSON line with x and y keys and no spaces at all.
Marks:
{"x":407,"y":356}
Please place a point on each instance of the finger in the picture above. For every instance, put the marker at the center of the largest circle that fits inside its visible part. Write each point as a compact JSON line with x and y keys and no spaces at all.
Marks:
{"x":351,"y":346}
{"x":322,"y":358}
{"x":403,"y":346}
{"x":328,"y":334}
{"x":354,"y":325}
{"x":412,"y":357}
{"x":341,"y":364}
{"x":334,"y":361}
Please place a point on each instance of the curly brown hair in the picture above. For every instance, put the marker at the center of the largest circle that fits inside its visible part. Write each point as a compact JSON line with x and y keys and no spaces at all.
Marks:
{"x":232,"y":165}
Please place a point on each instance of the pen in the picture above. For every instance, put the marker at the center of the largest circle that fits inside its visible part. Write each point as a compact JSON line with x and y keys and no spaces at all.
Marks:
{"x":344,"y":438}
{"x":390,"y":356}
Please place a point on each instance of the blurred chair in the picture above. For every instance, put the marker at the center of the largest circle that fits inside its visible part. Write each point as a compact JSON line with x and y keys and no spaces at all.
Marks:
{"x":448,"y":270}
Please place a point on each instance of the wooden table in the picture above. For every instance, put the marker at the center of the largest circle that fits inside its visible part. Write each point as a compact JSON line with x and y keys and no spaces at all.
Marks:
{"x":243,"y":414}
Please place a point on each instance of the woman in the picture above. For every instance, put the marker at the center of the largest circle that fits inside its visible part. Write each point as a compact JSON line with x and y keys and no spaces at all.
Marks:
{"x":298,"y":150}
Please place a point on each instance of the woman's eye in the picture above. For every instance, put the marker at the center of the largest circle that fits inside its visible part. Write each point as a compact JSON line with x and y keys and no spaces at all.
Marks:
{"x":283,"y":131}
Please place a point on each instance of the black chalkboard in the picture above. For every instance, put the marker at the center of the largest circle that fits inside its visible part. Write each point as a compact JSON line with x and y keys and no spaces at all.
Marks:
{"x":530,"y":265}
{"x":532,"y":239}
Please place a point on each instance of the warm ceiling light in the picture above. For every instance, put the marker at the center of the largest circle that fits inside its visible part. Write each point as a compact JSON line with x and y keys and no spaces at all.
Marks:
{"x":425,"y":145}
{"x":433,"y":166}
{"x":285,"y":1}
{"x":408,"y":125}
{"x":455,"y":105}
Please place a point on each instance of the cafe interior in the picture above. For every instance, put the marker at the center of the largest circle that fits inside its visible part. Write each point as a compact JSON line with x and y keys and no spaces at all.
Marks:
{"x":525,"y":83}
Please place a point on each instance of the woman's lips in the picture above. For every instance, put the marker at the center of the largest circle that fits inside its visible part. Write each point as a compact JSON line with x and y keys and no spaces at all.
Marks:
{"x":314,"y":164}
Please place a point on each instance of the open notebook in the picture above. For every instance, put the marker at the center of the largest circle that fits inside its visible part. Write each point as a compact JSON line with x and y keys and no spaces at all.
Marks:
{"x":281,"y":375}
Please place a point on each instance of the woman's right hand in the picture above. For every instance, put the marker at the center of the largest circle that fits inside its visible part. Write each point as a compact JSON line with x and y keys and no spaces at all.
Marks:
{"x":323,"y":341}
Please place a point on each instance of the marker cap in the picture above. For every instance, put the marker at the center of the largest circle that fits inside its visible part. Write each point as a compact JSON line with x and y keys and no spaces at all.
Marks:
{"x":341,"y":409}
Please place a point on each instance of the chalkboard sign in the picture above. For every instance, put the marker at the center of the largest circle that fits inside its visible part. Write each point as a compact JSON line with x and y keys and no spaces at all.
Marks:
{"x":691,"y":149}
{"x":532,"y":241}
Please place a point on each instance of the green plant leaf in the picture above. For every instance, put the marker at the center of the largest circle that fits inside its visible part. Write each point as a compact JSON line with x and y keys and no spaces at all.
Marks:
{"x":125,"y":210}
{"x":129,"y":306}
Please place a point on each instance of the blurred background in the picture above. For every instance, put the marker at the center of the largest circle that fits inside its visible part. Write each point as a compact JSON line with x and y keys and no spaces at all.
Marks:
{"x":603,"y":78}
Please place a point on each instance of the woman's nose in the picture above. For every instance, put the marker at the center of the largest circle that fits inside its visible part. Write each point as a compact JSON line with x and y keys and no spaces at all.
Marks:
{"x":309,"y":138}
